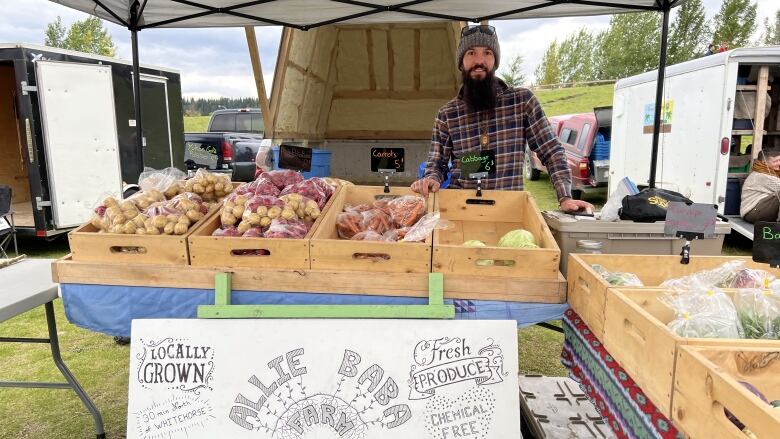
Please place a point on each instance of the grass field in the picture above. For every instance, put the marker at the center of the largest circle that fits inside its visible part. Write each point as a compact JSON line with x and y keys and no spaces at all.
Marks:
{"x":102,"y":366}
{"x":196,"y":124}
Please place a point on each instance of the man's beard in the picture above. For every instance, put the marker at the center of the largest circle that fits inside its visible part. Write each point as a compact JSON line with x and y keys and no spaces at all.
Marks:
{"x":479,"y":94}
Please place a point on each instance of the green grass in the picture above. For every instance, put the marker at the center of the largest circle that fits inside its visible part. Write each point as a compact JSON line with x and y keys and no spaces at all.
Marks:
{"x":196,"y":124}
{"x":575,"y":100}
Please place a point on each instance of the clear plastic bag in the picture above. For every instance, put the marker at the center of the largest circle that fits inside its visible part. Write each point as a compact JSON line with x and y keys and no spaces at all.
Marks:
{"x":759,"y":312}
{"x":305,"y":208}
{"x":357,"y":208}
{"x":752,"y":278}
{"x":287,"y":229}
{"x":368,"y":235}
{"x":264,"y":158}
{"x":168,"y":181}
{"x":212,"y":187}
{"x":617,"y":277}
{"x":407,"y":210}
{"x":421,"y":230}
{"x":115,"y":216}
{"x":376,"y":220}
{"x":261,"y":186}
{"x":719,"y":277}
{"x":261,"y":210}
{"x":349,"y":224}
{"x":314,"y":188}
{"x":611,"y":209}
{"x":282,"y":177}
{"x":703,"y":313}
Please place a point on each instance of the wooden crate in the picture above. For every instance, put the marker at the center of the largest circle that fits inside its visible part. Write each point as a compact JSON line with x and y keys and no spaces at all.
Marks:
{"x":328,"y":252}
{"x":67,"y":271}
{"x":587,"y":290}
{"x":707,"y":380}
{"x":636,"y":335}
{"x":87,"y":245}
{"x":488,"y":223}
{"x":227,"y":251}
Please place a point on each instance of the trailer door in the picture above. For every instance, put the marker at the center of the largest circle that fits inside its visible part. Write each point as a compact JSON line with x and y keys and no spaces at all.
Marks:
{"x":79,"y":128}
{"x":157,"y":127}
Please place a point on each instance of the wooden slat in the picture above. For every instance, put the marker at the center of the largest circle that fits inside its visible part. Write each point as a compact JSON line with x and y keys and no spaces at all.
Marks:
{"x":706,"y":384}
{"x":760,"y":115}
{"x":257,"y":69}
{"x":315,"y":281}
{"x":89,"y":246}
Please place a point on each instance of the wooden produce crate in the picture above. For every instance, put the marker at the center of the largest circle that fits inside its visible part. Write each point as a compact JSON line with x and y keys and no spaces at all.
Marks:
{"x":227,"y":251}
{"x":329,"y":252}
{"x":707,"y":381}
{"x":636,"y":335}
{"x":509,"y":210}
{"x":587,"y":290}
{"x":87,"y":245}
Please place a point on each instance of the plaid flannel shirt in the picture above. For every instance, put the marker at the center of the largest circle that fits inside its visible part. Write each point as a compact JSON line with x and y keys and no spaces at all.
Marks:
{"x":517,"y":119}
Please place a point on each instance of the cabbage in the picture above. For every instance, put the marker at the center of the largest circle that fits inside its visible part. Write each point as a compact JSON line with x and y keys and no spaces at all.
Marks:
{"x":478,"y":243}
{"x":519,"y":238}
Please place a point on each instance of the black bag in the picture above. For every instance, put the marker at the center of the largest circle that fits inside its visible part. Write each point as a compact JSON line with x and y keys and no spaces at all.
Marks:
{"x":649,"y":205}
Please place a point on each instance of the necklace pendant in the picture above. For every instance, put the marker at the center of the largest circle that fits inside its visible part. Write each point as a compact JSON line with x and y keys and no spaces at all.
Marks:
{"x":483,"y":140}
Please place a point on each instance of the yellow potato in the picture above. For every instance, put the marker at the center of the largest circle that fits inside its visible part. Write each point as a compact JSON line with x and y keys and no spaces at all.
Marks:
{"x":129,"y":228}
{"x":159,"y":221}
{"x":288,"y":214}
{"x":180,"y":228}
{"x":194,"y":215}
{"x":240,"y":200}
{"x":238,"y":211}
{"x":127,"y":205}
{"x":262,"y":210}
{"x":173,"y":218}
{"x":140,"y":231}
{"x":152,"y":231}
{"x":96,"y":222}
{"x":252,"y":218}
{"x":198,"y":188}
{"x":184,"y":220}
{"x":168,"y":229}
{"x":265,"y":221}
{"x":274,"y":212}
{"x":243,"y":227}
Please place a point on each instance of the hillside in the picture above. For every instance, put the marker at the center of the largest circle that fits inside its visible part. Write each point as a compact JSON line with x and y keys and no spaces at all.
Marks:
{"x":575,"y":100}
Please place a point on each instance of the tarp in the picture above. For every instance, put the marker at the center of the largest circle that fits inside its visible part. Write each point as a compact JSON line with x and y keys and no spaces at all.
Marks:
{"x":306,"y":14}
{"x":111,"y":309}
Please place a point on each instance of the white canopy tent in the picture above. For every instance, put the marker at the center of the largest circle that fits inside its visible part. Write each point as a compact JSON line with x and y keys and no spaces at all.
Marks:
{"x":137,"y":15}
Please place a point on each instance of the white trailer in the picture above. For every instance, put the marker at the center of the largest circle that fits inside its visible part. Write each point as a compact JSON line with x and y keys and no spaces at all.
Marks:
{"x":713,"y":107}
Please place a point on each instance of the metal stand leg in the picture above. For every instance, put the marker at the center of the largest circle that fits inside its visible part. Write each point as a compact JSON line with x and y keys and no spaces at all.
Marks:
{"x":55,"y":353}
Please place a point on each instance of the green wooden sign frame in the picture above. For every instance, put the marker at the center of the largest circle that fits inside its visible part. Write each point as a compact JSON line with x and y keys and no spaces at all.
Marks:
{"x":223,"y":309}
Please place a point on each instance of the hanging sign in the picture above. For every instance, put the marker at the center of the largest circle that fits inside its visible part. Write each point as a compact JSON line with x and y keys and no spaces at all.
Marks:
{"x":387,"y":159}
{"x":307,"y":379}
{"x":478,"y":165}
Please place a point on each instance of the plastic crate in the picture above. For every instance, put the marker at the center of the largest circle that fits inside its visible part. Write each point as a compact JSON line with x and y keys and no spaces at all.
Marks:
{"x":625,"y":237}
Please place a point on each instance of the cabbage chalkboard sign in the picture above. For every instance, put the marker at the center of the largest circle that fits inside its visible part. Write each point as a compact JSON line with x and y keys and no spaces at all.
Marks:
{"x":478,"y":165}
{"x":766,"y":243}
{"x":297,"y":158}
{"x":387,"y":159}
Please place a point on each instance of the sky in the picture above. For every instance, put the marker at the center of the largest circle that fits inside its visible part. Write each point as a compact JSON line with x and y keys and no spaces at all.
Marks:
{"x":215,"y":62}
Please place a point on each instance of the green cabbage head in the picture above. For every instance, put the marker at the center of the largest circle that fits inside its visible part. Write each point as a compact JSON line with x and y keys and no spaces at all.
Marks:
{"x":519,"y":238}
{"x":478,"y":243}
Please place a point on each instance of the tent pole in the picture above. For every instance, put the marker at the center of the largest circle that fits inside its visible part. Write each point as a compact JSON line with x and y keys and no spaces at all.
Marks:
{"x":659,"y":92}
{"x":137,"y":85}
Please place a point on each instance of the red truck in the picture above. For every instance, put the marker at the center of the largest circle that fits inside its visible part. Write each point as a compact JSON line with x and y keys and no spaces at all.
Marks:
{"x":586,"y":139}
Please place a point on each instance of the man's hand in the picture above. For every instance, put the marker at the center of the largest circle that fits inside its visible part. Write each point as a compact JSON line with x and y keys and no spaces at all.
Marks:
{"x":425,"y":185}
{"x":570,"y":205}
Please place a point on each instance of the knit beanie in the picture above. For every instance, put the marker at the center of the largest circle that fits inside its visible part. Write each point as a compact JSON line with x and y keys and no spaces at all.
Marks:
{"x":478,"y":38}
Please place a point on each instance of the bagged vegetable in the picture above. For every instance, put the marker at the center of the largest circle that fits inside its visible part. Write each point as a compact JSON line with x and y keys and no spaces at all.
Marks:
{"x":112,"y":216}
{"x":261,"y":186}
{"x":314,"y":188}
{"x":168,"y":181}
{"x":759,"y":312}
{"x":282,"y":177}
{"x":357,"y":208}
{"x":406,"y":211}
{"x":261,"y":210}
{"x":752,"y":278}
{"x":368,"y":235}
{"x":306,"y":209}
{"x":375,"y":220}
{"x":703,"y":313}
{"x":287,"y":228}
{"x":719,"y":277}
{"x":210,"y":186}
{"x":349,"y":224}
{"x":233,"y":209}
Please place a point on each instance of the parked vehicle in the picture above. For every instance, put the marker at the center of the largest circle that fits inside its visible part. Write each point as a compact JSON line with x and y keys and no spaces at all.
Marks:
{"x":710,"y":105}
{"x":585,"y":138}
{"x":67,"y":131}
{"x":236,"y":120}
{"x":229,"y":153}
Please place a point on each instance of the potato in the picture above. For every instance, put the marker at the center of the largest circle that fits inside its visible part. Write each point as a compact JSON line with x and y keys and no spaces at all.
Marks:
{"x":112,"y":212}
{"x":228,"y":205}
{"x":241,"y":200}
{"x":130,"y":214}
{"x":140,"y":231}
{"x":228,"y":219}
{"x":265,"y":221}
{"x":184,"y":220}
{"x":198,"y":188}
{"x":252,"y":218}
{"x":129,"y":228}
{"x":180,"y":228}
{"x":243,"y":227}
{"x":97,"y":222}
{"x":110,"y":202}
{"x":274,"y":212}
{"x":288,"y":214}
{"x":194,"y":215}
{"x":219,"y":187}
{"x":127,"y":205}
{"x":238,"y":211}
{"x":168,"y":229}
{"x":140,"y":220}
{"x":159,"y":221}
{"x":119,"y":219}
{"x":172,"y":218}
{"x":152,"y":231}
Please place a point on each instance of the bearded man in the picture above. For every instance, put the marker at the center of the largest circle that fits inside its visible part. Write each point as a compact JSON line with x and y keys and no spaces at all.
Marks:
{"x":487,"y":116}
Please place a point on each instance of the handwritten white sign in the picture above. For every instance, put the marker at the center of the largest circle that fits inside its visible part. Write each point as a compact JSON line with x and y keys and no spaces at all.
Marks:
{"x":309,"y":379}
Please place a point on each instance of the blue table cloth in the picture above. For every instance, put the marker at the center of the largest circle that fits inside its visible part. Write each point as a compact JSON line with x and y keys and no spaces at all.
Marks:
{"x":111,"y":309}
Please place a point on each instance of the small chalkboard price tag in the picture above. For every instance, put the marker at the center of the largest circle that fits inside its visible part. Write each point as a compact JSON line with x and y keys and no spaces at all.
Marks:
{"x":296,"y":158}
{"x":387,"y":159}
{"x":478,"y":165}
{"x":690,"y":221}
{"x":766,"y":243}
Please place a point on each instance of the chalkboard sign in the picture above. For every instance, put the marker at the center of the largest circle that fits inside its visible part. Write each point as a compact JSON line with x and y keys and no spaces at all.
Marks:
{"x":690,"y":221}
{"x":766,"y":243}
{"x":387,"y":158}
{"x":296,"y":158}
{"x":478,"y":165}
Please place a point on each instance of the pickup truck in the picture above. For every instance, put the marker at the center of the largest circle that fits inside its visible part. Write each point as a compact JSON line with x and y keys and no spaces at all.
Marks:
{"x":229,"y":153}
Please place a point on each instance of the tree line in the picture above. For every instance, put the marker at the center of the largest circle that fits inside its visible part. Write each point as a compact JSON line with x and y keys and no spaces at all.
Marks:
{"x":631,"y":43}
